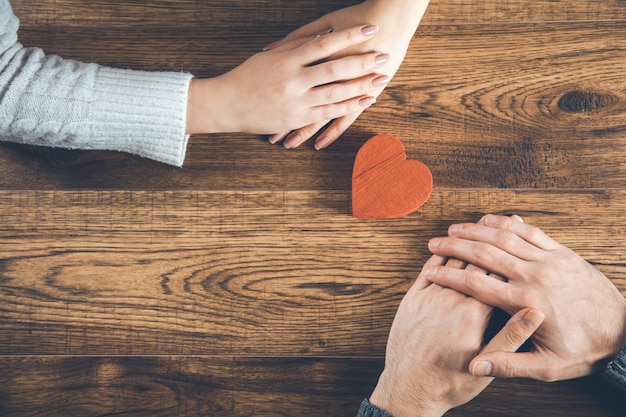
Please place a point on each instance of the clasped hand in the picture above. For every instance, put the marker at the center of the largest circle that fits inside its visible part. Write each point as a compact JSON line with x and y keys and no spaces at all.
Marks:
{"x":289,"y":86}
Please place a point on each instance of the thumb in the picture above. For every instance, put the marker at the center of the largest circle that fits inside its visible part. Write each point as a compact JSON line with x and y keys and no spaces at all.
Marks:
{"x":498,"y":358}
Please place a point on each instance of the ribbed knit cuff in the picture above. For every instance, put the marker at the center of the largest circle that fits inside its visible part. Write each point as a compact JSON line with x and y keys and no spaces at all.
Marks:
{"x":368,"y":409}
{"x":615,"y":372}
{"x":140,"y":112}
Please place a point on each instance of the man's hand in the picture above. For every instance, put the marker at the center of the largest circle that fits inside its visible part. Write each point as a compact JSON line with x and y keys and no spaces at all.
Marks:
{"x":585,"y":314}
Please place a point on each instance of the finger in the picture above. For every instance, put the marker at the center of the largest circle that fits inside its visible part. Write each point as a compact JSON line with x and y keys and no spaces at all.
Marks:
{"x":336,"y":110}
{"x":504,"y":240}
{"x":518,"y":329}
{"x":433,"y":262}
{"x":514,"y":217}
{"x":335,"y":129}
{"x":348,"y":68}
{"x":484,"y":255}
{"x":277,"y":137}
{"x":355,"y":85}
{"x":322,"y":47}
{"x":299,"y":136}
{"x":530,"y":234}
{"x":498,"y":357}
{"x":479,"y":286}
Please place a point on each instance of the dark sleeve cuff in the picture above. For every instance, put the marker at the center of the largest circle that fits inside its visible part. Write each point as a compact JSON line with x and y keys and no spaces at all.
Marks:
{"x":368,"y":409}
{"x":615,"y":372}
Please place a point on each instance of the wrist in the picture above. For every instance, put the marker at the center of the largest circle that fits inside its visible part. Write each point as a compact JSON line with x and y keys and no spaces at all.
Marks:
{"x":393,"y":399}
{"x":207,"y":111}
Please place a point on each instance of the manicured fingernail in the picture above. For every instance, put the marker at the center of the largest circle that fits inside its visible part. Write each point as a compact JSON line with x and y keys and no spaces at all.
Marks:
{"x":271,"y":45}
{"x":482,"y":368}
{"x":292,"y":141}
{"x":322,"y":142}
{"x":367,"y":101}
{"x":380,"y":81}
{"x":273,"y":139}
{"x":369,"y":30}
{"x":382,"y":59}
{"x":455,"y":229}
{"x":322,"y":32}
{"x":434,"y":242}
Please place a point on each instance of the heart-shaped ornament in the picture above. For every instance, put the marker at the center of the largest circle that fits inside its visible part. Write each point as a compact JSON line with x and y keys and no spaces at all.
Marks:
{"x":384,"y":183}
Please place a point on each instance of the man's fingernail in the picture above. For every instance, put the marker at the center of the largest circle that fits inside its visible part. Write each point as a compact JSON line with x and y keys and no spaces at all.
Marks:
{"x":369,"y":30}
{"x":380,"y":81}
{"x":491,"y":220}
{"x":455,"y":229}
{"x":532,"y":319}
{"x":434,"y":242}
{"x":382,"y":59}
{"x":322,"y":142}
{"x":367,"y":101}
{"x":482,"y":368}
{"x":431,"y":272}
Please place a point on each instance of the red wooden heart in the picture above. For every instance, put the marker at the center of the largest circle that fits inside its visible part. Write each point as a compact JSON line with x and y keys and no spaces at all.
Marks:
{"x":384,"y":183}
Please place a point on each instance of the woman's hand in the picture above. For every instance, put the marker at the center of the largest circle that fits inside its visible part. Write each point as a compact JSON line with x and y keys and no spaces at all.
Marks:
{"x":397,"y":19}
{"x":290,"y":86}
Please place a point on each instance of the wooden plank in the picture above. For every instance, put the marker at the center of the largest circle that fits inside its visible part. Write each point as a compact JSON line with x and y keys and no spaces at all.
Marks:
{"x":232,"y":387}
{"x":189,"y":13}
{"x":258,"y":273}
{"x":505,"y":106}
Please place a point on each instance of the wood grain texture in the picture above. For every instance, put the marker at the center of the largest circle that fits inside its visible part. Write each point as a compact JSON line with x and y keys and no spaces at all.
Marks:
{"x":215,"y":13}
{"x":240,"y":285}
{"x":241,"y":387}
{"x":194,"y":273}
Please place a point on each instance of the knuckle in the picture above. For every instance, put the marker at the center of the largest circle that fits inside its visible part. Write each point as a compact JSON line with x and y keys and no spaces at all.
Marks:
{"x":327,"y":112}
{"x":323,"y":42}
{"x":509,"y":369}
{"x":331,"y":93}
{"x":473,"y":281}
{"x":516,"y":335}
{"x":549,"y":374}
{"x":331,"y":69}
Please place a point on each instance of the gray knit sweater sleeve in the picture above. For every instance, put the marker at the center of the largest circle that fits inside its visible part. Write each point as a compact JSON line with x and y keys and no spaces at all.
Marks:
{"x":368,"y":409}
{"x":49,"y":101}
{"x":615,"y":372}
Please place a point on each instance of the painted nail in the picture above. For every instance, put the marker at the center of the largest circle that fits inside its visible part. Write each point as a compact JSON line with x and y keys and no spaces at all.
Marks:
{"x":322,"y":142}
{"x":271,"y":45}
{"x":369,"y":30}
{"x":382,"y":59}
{"x":380,"y":81}
{"x":367,"y":101}
{"x":292,"y":141}
{"x":482,"y":368}
{"x":322,"y":32}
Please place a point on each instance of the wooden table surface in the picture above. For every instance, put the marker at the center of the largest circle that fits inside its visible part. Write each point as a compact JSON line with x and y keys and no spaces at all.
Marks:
{"x":240,"y":285}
